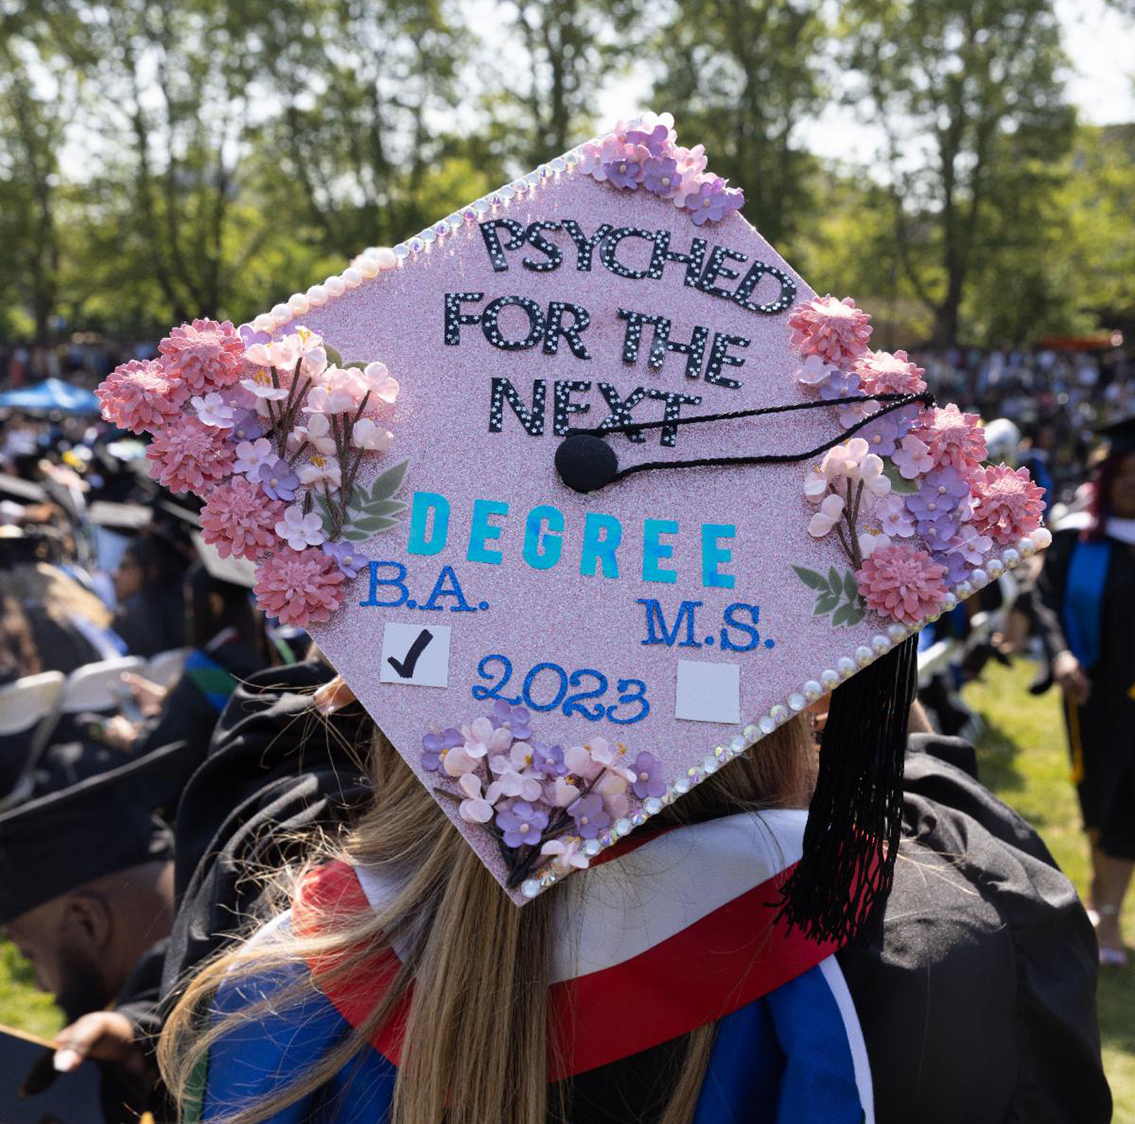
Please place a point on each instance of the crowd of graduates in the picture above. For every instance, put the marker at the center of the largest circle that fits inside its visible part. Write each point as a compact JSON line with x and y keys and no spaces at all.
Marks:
{"x":159,"y":746}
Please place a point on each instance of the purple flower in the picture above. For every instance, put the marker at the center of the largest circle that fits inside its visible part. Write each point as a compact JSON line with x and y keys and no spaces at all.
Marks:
{"x":589,"y":816}
{"x":278,"y":480}
{"x":712,"y":201}
{"x":839,"y":384}
{"x":660,"y":176}
{"x":513,"y":718}
{"x":434,"y":744}
{"x":624,"y":173}
{"x":655,"y":142}
{"x":936,"y":532}
{"x":246,"y":426}
{"x":882,"y":436}
{"x":249,"y":335}
{"x":647,"y":781}
{"x":349,"y":560}
{"x":548,"y":760}
{"x":939,"y":493}
{"x":957,"y":569}
{"x":521,"y":824}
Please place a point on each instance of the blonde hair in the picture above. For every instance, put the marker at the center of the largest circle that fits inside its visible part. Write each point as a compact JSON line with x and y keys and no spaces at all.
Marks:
{"x":476,"y":1044}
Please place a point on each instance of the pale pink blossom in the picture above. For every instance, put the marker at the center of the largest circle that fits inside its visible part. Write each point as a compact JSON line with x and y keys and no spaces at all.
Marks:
{"x":477,"y":808}
{"x":564,"y":792}
{"x":1008,"y":505}
{"x":339,"y":391}
{"x":813,"y":371}
{"x":213,"y":410}
{"x":526,"y":786}
{"x":381,"y":384}
{"x":367,"y":435}
{"x":250,"y":455}
{"x":912,"y":458}
{"x":870,"y":541}
{"x":880,"y":372}
{"x":458,"y":761}
{"x":830,"y":513}
{"x":834,"y":330}
{"x":816,"y":485}
{"x":320,"y":470}
{"x":580,"y":763}
{"x":259,"y":383}
{"x":299,"y":587}
{"x":902,"y":582}
{"x":565,"y":857}
{"x":317,"y":433}
{"x":189,"y":456}
{"x":300,"y":530}
{"x":141,"y":396}
{"x":203,"y":355}
{"x":481,"y":738}
{"x":855,"y":463}
{"x":239,"y":519}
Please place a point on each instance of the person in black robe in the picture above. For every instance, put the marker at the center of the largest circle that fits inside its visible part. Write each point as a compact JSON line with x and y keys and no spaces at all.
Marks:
{"x":1087,"y":590}
{"x":275,"y":771}
{"x":86,"y":894}
{"x":147,"y":583}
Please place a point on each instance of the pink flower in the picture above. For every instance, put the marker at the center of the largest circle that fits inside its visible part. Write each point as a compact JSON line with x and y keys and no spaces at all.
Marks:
{"x":813,"y":371}
{"x":880,"y":372}
{"x":1009,"y":504}
{"x":953,"y":438}
{"x":902,"y":582}
{"x":834,"y":330}
{"x":477,"y":808}
{"x":189,"y":456}
{"x":830,"y":513}
{"x":299,"y":586}
{"x":379,"y":381}
{"x":912,"y":458}
{"x":300,"y":529}
{"x":566,"y":857}
{"x":204,"y":355}
{"x":140,"y":396}
{"x":238,"y":518}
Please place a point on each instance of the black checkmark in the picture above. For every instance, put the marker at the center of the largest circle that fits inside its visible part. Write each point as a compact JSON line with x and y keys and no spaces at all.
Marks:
{"x":405,"y":667}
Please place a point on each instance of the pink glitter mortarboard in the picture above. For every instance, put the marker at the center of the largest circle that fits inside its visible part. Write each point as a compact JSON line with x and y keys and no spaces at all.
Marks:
{"x":681,"y":614}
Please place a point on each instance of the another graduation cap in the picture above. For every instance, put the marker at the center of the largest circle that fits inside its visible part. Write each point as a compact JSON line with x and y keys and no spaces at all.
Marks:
{"x":235,"y":571}
{"x":646,"y":497}
{"x":59,"y":842}
{"x":1120,"y":436}
{"x":25,"y":491}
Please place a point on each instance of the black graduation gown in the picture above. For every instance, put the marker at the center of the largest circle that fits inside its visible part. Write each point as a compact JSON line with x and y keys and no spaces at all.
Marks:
{"x":153,"y":624}
{"x":977,"y":998}
{"x":274,"y":770}
{"x":1101,"y":733}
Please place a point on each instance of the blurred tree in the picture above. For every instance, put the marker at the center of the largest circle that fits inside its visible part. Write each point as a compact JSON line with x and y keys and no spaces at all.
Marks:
{"x":744,"y":75}
{"x":36,"y":101}
{"x":555,"y":57}
{"x":969,"y":97}
{"x":367,"y":93}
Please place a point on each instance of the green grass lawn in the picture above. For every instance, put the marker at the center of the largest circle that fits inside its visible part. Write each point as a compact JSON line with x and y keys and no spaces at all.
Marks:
{"x":1023,"y":759}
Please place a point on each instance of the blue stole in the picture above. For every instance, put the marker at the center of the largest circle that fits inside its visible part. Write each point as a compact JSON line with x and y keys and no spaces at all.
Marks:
{"x":1083,"y":600}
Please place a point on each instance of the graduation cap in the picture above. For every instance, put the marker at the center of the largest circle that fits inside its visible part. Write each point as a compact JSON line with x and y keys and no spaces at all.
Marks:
{"x":1120,"y":436}
{"x":123,"y":517}
{"x":56,"y":843}
{"x":586,"y":482}
{"x":26,"y":491}
{"x":235,"y":571}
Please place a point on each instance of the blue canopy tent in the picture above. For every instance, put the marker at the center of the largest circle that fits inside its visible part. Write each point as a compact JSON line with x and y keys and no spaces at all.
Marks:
{"x":51,"y":394}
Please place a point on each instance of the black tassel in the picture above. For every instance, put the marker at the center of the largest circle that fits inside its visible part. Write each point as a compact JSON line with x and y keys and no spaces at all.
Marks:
{"x":839,"y":889}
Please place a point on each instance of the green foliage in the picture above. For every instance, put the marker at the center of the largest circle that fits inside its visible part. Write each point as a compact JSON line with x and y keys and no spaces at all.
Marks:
{"x":742,"y":78}
{"x":831,"y":591}
{"x":160,"y":161}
